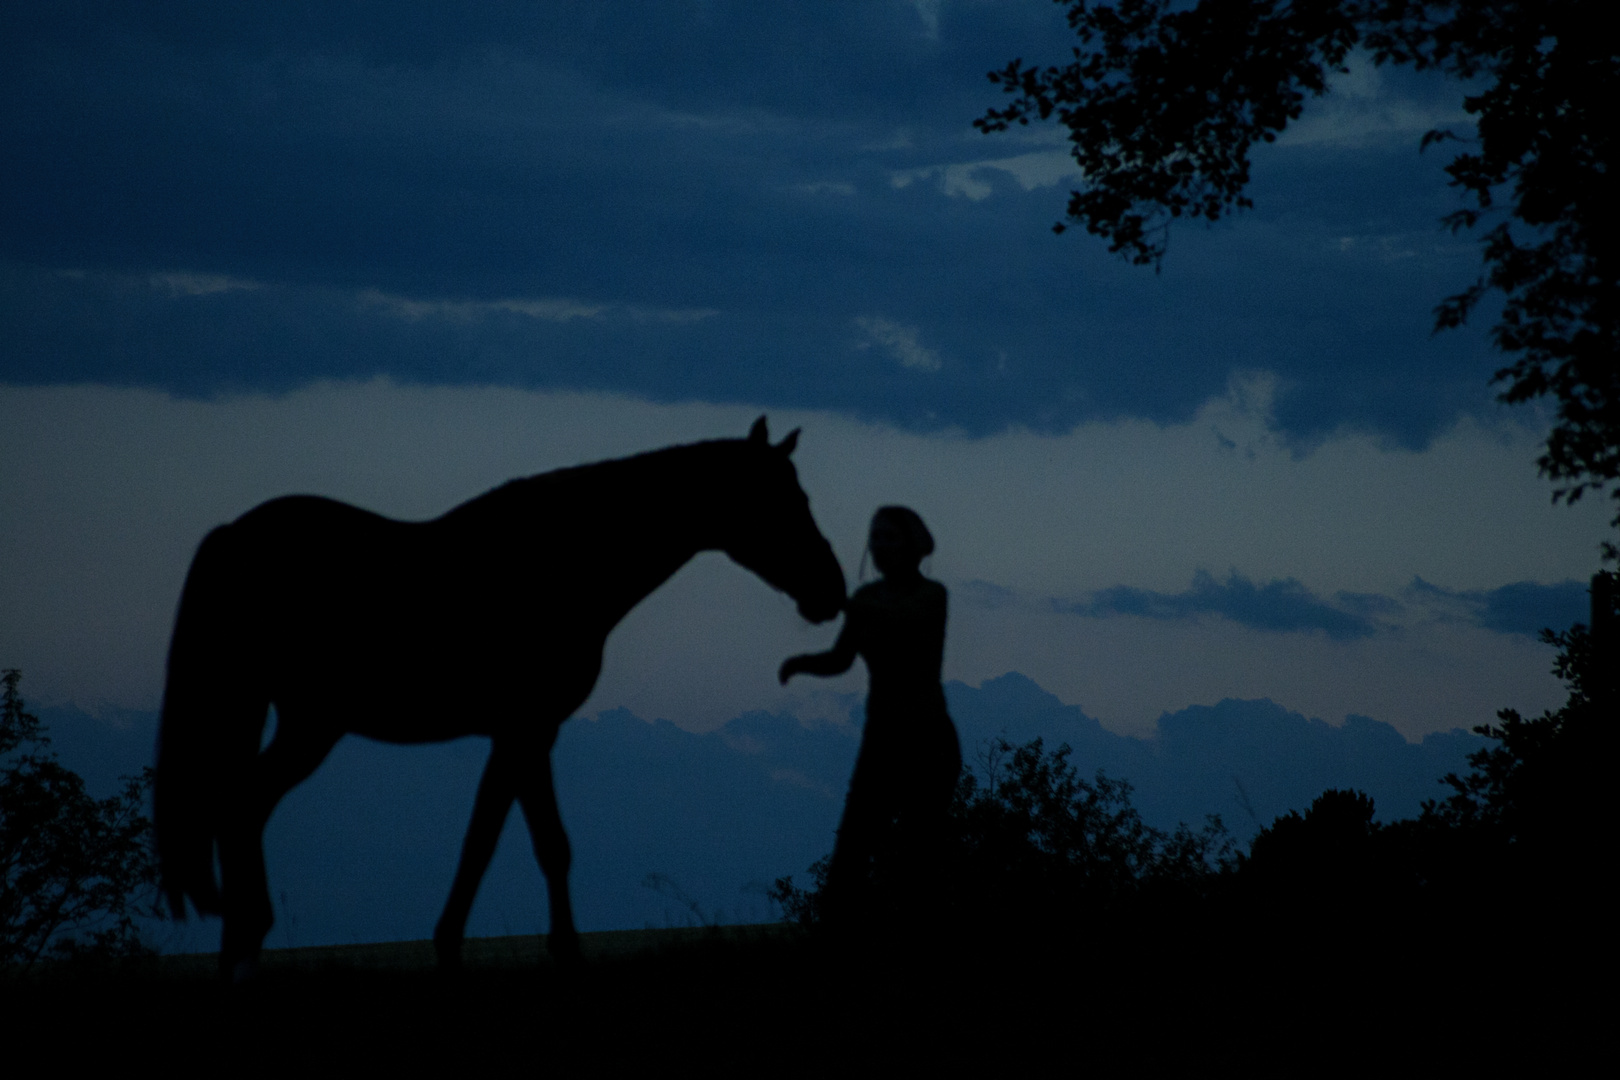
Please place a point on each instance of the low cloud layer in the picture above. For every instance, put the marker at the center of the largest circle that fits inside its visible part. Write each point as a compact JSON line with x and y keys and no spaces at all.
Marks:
{"x":365,"y":849}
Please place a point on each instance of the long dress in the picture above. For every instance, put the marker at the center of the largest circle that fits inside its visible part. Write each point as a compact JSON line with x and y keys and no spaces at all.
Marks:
{"x":910,"y":757}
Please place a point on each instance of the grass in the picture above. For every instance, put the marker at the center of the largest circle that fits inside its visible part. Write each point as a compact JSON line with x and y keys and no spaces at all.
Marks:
{"x":514,"y":953}
{"x":1121,"y":994}
{"x":641,"y":998}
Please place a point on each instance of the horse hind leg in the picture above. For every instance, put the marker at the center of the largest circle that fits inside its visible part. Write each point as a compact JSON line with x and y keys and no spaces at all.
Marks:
{"x":538,"y":796}
{"x":294,"y":753}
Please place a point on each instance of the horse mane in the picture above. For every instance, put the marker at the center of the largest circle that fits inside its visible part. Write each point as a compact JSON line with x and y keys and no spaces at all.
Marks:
{"x":652,"y":468}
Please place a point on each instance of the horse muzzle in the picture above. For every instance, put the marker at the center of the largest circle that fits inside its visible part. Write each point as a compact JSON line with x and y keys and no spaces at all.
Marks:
{"x":827,"y":599}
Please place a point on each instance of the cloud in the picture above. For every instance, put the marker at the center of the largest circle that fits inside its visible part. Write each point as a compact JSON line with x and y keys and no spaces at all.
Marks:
{"x":550,"y":309}
{"x":515,"y":179}
{"x":1042,"y":169}
{"x":1374,"y":606}
{"x":1279,"y":605}
{"x":558,"y":309}
{"x":928,"y":12}
{"x":1285,"y":605}
{"x":1522,"y":607}
{"x":1369,"y":105}
{"x":826,"y":187}
{"x":188,"y":284}
{"x":901,"y":341}
{"x":677,"y":316}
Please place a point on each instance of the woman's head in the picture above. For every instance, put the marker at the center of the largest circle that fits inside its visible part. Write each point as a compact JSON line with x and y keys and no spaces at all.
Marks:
{"x":899,"y":540}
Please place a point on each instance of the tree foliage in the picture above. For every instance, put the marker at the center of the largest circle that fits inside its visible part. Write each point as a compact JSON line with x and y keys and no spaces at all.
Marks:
{"x":1534,"y":804}
{"x":1164,"y":100}
{"x":1332,"y":865}
{"x":1034,"y":821}
{"x":74,"y":870}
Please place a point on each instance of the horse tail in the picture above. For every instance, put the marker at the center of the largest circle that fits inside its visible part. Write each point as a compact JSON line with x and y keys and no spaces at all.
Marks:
{"x":206,"y":698}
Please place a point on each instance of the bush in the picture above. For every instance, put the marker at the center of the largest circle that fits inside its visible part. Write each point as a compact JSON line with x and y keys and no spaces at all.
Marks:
{"x":1333,"y":865}
{"x":1034,"y":843}
{"x":71,"y":867}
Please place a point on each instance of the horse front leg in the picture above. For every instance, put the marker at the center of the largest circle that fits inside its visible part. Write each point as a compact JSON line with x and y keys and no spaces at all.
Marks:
{"x":539,"y":799}
{"x":495,"y":794}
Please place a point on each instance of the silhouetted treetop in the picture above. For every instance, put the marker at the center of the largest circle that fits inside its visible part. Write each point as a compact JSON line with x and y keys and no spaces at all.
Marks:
{"x":74,"y":870}
{"x":1164,"y":100}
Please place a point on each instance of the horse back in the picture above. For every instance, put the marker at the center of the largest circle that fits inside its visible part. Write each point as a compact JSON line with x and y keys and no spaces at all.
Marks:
{"x":405,"y":631}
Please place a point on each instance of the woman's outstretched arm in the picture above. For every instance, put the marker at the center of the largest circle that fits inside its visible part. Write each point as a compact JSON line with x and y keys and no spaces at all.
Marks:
{"x":835,"y":661}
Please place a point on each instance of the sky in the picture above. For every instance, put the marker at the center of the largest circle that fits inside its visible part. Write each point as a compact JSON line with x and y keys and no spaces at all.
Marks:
{"x":399,"y":253}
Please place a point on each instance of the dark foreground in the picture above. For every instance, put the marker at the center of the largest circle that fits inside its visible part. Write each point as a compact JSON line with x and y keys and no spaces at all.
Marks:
{"x":771,"y":1001}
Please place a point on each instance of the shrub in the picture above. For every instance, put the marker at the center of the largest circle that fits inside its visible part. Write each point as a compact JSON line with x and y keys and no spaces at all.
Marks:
{"x":71,"y":867}
{"x":1034,"y":843}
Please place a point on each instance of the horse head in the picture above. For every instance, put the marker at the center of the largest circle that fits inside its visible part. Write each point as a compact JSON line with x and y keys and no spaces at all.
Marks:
{"x":774,"y":535}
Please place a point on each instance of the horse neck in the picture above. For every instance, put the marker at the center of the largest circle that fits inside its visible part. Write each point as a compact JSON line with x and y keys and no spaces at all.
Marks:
{"x":652,"y":513}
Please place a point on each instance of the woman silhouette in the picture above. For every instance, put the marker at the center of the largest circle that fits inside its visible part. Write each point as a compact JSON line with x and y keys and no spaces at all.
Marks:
{"x":910,"y":757}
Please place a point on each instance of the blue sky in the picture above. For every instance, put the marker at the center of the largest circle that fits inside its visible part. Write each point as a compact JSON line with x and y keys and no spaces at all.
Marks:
{"x":398,"y":253}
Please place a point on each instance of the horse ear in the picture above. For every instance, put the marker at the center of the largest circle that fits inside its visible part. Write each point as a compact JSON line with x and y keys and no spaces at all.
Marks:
{"x":758,"y":434}
{"x":785,"y":447}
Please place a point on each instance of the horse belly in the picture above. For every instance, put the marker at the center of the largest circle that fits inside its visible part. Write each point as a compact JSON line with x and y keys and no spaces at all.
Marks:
{"x":409,"y":691}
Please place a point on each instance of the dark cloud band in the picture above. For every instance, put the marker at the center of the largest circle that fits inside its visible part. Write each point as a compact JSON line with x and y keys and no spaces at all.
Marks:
{"x":1279,"y":606}
{"x":1284,"y":605}
{"x":1523,"y":607}
{"x":808,"y":174}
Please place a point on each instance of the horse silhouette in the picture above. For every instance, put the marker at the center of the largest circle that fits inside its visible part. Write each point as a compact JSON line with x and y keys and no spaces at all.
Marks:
{"x":489,"y":620}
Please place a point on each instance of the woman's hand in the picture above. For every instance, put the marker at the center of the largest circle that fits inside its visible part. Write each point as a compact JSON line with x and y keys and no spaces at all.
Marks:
{"x":835,"y":661}
{"x":790,"y":667}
